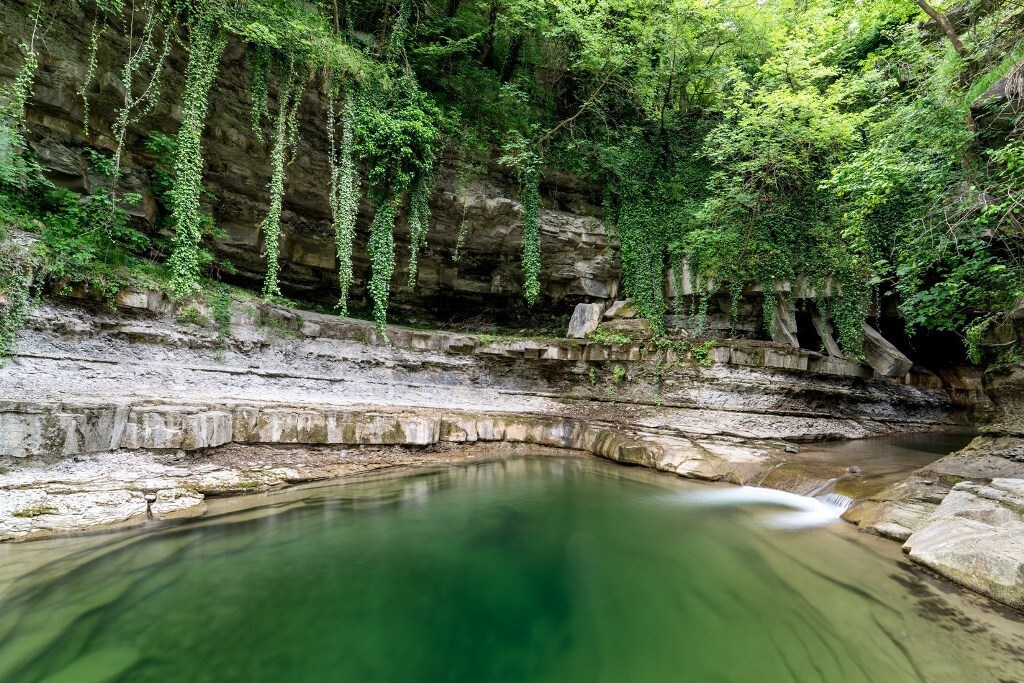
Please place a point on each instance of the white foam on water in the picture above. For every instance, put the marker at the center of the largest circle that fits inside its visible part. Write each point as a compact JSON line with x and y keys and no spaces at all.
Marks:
{"x":804,"y":512}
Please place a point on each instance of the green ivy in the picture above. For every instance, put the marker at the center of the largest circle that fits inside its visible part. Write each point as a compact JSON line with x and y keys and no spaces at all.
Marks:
{"x":289,"y":94}
{"x":522,"y":156}
{"x":345,"y":187}
{"x":15,"y":294}
{"x":206,"y":43}
{"x":382,"y":260}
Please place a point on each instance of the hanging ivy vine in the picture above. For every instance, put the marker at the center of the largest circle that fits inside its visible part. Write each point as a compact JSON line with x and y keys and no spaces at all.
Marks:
{"x":206,"y":43}
{"x":259,"y":83}
{"x":141,"y":56}
{"x":396,"y":134}
{"x":419,"y":219}
{"x":521,"y":154}
{"x":15,"y":265}
{"x":531,"y":238}
{"x":289,"y":96}
{"x":98,"y":27}
{"x":382,"y":259}
{"x":344,"y":188}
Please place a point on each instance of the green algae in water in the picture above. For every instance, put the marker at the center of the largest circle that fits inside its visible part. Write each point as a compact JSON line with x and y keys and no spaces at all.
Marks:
{"x":547,"y":570}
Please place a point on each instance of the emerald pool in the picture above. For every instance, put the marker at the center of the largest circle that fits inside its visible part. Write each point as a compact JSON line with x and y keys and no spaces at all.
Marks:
{"x":527,"y":569}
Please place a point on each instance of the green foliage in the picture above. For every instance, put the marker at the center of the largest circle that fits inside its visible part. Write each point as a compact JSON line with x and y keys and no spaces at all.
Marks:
{"x":16,"y":268}
{"x":289,"y":96}
{"x":419,"y":217}
{"x":221,"y":302}
{"x":395,"y":130}
{"x":206,"y":42}
{"x":193,"y":315}
{"x":605,"y":336}
{"x":743,"y":142}
{"x":345,"y":187}
{"x":382,"y":259}
{"x":521,"y":155}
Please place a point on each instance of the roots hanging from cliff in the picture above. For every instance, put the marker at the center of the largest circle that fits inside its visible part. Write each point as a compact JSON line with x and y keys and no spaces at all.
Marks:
{"x":206,"y":44}
{"x":345,"y":186}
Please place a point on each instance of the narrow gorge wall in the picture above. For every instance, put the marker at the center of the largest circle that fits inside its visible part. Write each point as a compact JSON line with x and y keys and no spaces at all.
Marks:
{"x":579,"y":259}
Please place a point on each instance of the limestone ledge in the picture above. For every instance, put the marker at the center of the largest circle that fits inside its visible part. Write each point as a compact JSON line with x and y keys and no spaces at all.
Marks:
{"x":66,"y":486}
{"x":309,"y":325}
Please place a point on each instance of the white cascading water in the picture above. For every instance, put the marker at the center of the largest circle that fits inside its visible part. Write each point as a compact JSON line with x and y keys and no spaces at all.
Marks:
{"x":804,"y":512}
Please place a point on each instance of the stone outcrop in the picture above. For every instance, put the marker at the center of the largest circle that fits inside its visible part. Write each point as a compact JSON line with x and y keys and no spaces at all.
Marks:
{"x":111,"y":417}
{"x":585,"y":319}
{"x":976,"y":538}
{"x":105,"y":486}
{"x":995,"y":113}
{"x":470,"y":261}
{"x":962,"y":514}
{"x":880,"y":354}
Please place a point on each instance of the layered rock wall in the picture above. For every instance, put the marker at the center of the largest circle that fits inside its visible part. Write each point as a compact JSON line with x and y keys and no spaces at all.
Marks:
{"x":579,"y":257}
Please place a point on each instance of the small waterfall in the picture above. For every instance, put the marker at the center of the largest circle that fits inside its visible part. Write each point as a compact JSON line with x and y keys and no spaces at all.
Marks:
{"x":838,"y":501}
{"x":804,"y":512}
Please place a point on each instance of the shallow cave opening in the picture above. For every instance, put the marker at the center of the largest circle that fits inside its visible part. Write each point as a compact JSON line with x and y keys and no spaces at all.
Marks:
{"x":936,"y":350}
{"x":806,"y":334}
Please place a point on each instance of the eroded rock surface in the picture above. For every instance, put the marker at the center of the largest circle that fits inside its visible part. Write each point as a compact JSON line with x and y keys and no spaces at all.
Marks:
{"x":963,"y":515}
{"x":976,"y":538}
{"x":97,"y":402}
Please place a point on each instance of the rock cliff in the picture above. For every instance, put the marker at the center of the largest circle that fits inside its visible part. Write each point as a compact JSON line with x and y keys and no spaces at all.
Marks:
{"x":579,"y":257}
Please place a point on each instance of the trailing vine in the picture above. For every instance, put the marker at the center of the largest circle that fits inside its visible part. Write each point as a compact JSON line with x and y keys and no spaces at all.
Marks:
{"x":344,"y":189}
{"x":531,"y":237}
{"x":15,"y":294}
{"x":396,"y":133}
{"x":259,"y":84}
{"x":135,"y":107}
{"x":90,"y":67}
{"x":520,"y":153}
{"x":288,"y":97}
{"x":419,"y":217}
{"x":206,"y":44}
{"x":382,"y":259}
{"x":15,"y":264}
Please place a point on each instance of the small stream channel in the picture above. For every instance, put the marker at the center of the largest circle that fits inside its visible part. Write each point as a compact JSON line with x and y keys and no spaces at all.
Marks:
{"x":527,"y":569}
{"x":820,"y":470}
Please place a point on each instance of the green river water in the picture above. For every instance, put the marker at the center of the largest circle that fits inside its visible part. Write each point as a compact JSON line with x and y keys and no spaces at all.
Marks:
{"x":535,"y":569}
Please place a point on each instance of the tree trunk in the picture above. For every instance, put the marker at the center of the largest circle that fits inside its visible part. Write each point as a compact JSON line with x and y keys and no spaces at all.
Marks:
{"x":512,"y":60}
{"x":947,"y":27}
{"x":492,"y":21}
